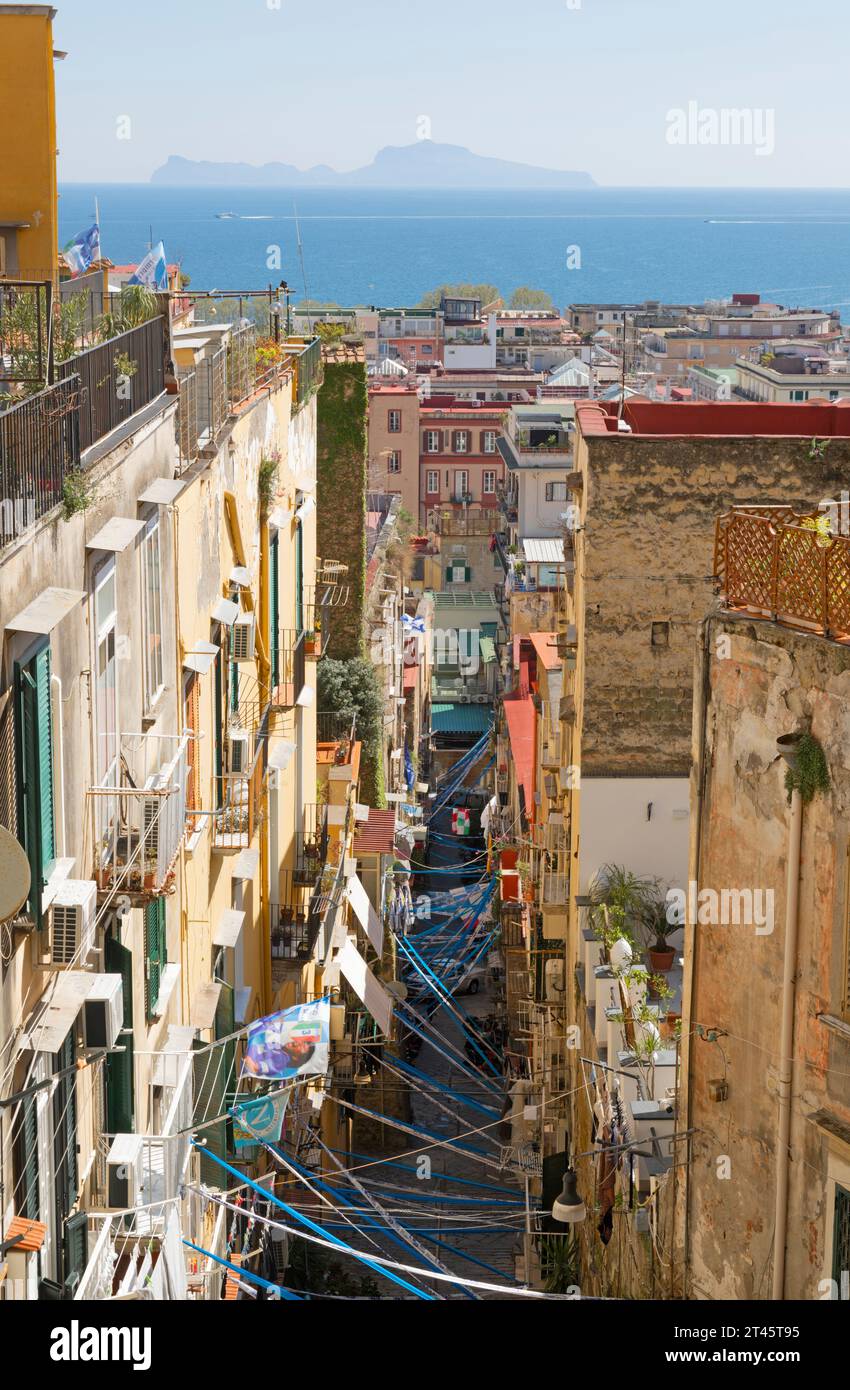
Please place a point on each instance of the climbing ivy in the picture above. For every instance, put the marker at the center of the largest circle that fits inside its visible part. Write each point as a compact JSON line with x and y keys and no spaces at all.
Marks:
{"x":810,"y":773}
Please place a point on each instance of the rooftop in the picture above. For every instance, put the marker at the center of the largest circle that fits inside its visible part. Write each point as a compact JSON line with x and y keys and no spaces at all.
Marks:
{"x":377,"y":836}
{"x":712,"y":419}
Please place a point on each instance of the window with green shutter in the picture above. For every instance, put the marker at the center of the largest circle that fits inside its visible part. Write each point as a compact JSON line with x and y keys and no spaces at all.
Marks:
{"x":120,"y":1096}
{"x":274,"y":608}
{"x":299,"y":577}
{"x":841,"y":1235}
{"x":156,"y":953}
{"x":25,"y":1151}
{"x":34,"y":744}
{"x":76,"y":1251}
{"x":65,"y":1174}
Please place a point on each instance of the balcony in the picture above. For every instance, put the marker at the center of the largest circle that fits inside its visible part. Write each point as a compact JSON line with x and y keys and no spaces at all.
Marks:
{"x":311,"y":847}
{"x":134,"y":362}
{"x":239,"y":800}
{"x":775,"y":564}
{"x":138,"y":815}
{"x":296,"y":918}
{"x":39,"y":450}
{"x":289,"y":667}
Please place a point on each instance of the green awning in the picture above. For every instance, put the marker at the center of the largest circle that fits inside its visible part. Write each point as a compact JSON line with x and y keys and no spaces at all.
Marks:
{"x":461,"y":719}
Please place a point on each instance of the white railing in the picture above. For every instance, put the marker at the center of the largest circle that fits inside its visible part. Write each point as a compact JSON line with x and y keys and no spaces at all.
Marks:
{"x":139,"y":816}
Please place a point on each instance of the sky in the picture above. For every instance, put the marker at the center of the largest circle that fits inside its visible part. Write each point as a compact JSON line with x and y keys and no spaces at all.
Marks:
{"x":594,"y":85}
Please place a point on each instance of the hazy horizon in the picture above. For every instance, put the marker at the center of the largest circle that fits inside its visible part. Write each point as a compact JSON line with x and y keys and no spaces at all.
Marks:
{"x":585,"y":85}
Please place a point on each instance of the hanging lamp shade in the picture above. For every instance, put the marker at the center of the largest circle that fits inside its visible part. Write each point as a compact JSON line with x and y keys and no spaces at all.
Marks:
{"x":569,"y":1209}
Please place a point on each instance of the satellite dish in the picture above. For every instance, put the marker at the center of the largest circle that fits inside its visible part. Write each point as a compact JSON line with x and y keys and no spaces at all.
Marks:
{"x":15,"y":876}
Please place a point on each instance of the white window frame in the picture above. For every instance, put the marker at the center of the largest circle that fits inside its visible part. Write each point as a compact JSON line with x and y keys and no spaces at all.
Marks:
{"x":460,"y":442}
{"x":488,"y":486}
{"x":489,"y":441}
{"x":432,"y":441}
{"x":105,"y":768}
{"x":394,"y":422}
{"x":432,"y":474}
{"x":154,"y":667}
{"x":460,"y":491}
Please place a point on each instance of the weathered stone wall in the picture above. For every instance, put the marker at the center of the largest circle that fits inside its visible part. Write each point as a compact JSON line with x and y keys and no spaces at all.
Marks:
{"x":645,"y":555}
{"x":762,"y":681}
{"x":342,"y":475}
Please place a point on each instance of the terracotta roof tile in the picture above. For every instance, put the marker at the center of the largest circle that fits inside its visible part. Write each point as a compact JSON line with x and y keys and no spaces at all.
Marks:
{"x":377,"y":836}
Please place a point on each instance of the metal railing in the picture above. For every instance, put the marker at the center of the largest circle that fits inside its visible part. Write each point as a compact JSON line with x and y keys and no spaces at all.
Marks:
{"x":139,"y":814}
{"x":188,"y":430}
{"x":118,"y":378}
{"x":39,"y":449}
{"x":296,"y":917}
{"x":307,"y":361}
{"x":311,"y":845}
{"x":25,"y":310}
{"x":336,"y":728}
{"x":774,"y":563}
{"x":241,"y":365}
{"x":289,"y":668}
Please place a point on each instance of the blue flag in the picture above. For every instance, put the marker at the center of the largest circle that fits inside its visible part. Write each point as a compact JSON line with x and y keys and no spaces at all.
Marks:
{"x":83,"y":250}
{"x":152,"y":271}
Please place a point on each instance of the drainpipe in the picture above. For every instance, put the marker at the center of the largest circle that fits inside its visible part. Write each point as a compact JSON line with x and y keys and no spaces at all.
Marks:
{"x":787,"y":746}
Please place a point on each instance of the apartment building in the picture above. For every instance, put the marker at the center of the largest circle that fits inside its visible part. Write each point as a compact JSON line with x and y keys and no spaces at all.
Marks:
{"x":29,"y":215}
{"x":460,"y":462}
{"x":766,"y":1035}
{"x":394,"y":442}
{"x":470,"y":334}
{"x":538,"y":341}
{"x":791,"y":375}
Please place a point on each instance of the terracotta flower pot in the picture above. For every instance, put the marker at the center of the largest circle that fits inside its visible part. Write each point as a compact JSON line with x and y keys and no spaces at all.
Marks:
{"x":662,"y":961}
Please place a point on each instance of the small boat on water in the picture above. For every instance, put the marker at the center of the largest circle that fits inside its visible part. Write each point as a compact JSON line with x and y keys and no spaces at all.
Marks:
{"x":226,"y":216}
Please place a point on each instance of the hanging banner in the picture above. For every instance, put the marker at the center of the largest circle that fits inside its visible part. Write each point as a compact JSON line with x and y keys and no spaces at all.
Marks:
{"x":83,"y":251}
{"x":294,"y":1043}
{"x":365,"y":913}
{"x":461,"y":822}
{"x":258,"y":1120}
{"x":152,"y":271}
{"x":366,"y":986}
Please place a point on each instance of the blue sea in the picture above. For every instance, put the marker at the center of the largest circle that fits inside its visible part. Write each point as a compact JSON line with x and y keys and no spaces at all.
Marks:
{"x":390,"y":248}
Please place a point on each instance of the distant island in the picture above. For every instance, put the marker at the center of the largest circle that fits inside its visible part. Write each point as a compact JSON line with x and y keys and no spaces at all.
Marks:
{"x":423,"y":164}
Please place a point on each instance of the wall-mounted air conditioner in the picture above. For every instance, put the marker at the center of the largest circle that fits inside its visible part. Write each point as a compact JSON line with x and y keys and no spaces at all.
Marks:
{"x":125,"y":1171}
{"x":103,"y":1011}
{"x":71,"y":923}
{"x":242,"y":638}
{"x":239,"y":753}
{"x":482,"y":699}
{"x":464,"y":699}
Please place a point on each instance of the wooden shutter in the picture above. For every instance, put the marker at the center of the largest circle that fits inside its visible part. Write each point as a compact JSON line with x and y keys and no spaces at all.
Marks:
{"x":25,"y":1149}
{"x":76,"y":1250}
{"x":193,"y":761}
{"x":155,"y":953}
{"x":274,"y":608}
{"x":299,"y":577}
{"x":65,"y":1131}
{"x":841,"y":1235}
{"x":35,"y":771}
{"x":8,"y":764}
{"x":120,"y":1097}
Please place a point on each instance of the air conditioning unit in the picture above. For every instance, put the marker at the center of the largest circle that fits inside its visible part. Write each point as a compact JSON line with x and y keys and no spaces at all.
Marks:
{"x":103,"y":1011}
{"x":554,"y":981}
{"x":125,"y":1171}
{"x":152,"y":809}
{"x":482,"y":699}
{"x":464,"y":699}
{"x":239,"y":753}
{"x":243,"y":637}
{"x":72,"y":918}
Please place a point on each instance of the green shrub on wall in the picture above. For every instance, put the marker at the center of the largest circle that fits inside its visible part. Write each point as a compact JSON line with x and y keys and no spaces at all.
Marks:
{"x":351,"y":687}
{"x":342,"y":479}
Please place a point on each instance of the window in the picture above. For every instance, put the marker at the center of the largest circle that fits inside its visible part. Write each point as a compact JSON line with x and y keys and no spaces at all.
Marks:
{"x":25,"y":1156}
{"x":556,"y":492}
{"x":432,"y":442}
{"x":488,"y":441}
{"x":427,"y":350}
{"x":458,"y":574}
{"x":104,"y":624}
{"x":394,"y":462}
{"x":34,"y":771}
{"x":461,"y":484}
{"x":119,"y":1065}
{"x":394,"y":422}
{"x":192,"y":725}
{"x":65,"y":1175}
{"x":274,"y":607}
{"x":489,"y":485}
{"x":156,"y":953}
{"x":461,"y":442}
{"x":841,"y":1235}
{"x":152,"y":613}
{"x":432,"y":482}
{"x":660,"y":634}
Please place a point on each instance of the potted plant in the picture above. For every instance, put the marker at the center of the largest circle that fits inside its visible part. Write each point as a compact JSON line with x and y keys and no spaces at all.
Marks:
{"x":658,"y":929}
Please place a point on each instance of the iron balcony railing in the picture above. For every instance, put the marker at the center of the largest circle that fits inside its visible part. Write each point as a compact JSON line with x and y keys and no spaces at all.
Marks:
{"x":296,"y":918}
{"x":118,"y":378}
{"x":335,"y":728}
{"x":288,"y":668}
{"x":25,"y":312}
{"x":139,"y":814}
{"x":311,"y":845}
{"x":307,"y":363}
{"x":779,"y":565}
{"x":39,"y":449}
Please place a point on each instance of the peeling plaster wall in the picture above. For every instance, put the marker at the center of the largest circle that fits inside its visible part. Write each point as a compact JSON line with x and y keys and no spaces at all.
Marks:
{"x":761,"y":684}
